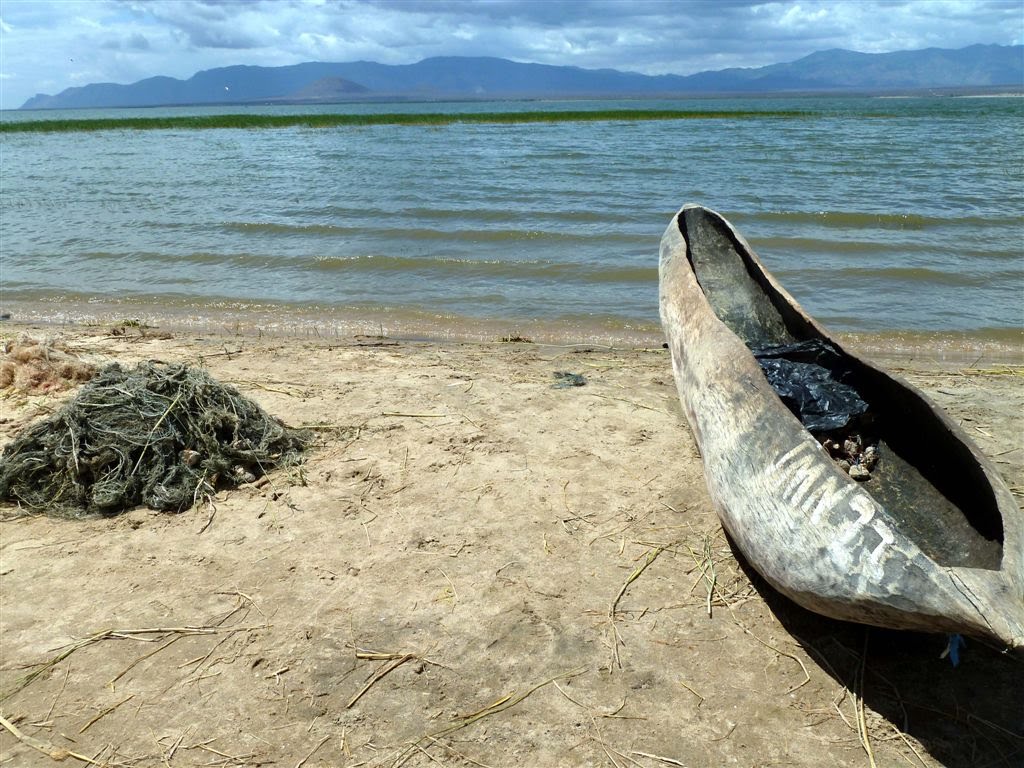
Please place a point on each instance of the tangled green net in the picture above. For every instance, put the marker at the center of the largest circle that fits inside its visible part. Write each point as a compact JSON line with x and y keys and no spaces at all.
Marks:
{"x":163,"y":435}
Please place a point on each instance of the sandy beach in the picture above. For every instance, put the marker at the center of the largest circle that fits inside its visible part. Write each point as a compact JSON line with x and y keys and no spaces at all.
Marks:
{"x":473,"y":566}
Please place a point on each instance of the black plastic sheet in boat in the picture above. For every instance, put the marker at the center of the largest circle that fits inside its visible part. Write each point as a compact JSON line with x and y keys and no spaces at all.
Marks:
{"x":809,"y":376}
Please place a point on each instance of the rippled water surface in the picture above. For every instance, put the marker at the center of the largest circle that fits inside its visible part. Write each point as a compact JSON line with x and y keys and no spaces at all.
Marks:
{"x":876,"y":214}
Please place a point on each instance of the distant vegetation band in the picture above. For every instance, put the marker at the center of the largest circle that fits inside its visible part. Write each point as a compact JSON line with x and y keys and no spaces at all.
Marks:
{"x":335,"y":120}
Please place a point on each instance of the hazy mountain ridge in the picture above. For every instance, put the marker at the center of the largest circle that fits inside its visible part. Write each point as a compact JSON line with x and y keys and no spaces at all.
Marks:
{"x":457,"y":77}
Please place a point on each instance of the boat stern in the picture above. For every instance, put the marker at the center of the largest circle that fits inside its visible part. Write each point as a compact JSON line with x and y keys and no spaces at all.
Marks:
{"x":993,"y":607}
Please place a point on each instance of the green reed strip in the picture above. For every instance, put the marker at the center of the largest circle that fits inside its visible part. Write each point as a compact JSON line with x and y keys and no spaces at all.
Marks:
{"x":332,"y":121}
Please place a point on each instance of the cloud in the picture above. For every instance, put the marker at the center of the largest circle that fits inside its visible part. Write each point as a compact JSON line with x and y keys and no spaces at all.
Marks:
{"x":134,"y":42}
{"x":180,"y":37}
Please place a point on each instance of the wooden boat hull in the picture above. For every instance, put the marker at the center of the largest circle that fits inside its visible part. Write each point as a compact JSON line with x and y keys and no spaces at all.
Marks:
{"x":818,"y":536}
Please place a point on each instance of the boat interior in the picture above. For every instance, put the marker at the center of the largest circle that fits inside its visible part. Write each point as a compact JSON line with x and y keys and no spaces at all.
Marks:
{"x":926,"y":478}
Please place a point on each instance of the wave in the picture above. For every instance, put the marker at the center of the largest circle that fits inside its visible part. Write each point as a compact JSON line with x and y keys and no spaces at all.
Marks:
{"x":446,"y":268}
{"x":438,"y":268}
{"x":500,"y":214}
{"x":858,"y":219}
{"x":891,"y":275}
{"x":891,"y":248}
{"x":508,"y":214}
{"x":428,"y":234}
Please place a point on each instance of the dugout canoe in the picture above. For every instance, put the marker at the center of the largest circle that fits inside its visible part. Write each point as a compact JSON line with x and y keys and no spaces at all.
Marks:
{"x":933,"y":540}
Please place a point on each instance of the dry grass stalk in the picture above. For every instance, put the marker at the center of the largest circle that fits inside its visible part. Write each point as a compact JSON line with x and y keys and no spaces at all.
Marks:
{"x":297,"y":392}
{"x":63,"y":686}
{"x":571,"y":514}
{"x":803,"y":667}
{"x":609,"y":750}
{"x":910,"y":746}
{"x":616,"y":640}
{"x":381,"y":672}
{"x":53,"y":752}
{"x":99,"y":716}
{"x":379,"y":656}
{"x":162,"y":633}
{"x":727,"y":734}
{"x":837,"y":702}
{"x":630,"y":402}
{"x":226,"y":758}
{"x":858,"y":694}
{"x":651,"y":557}
{"x":454,"y":594}
{"x":210,"y":505}
{"x":492,"y":705}
{"x":705,"y":563}
{"x":594,"y":711}
{"x":451,"y":750}
{"x":631,"y":521}
{"x":506,"y":702}
{"x":169,"y":754}
{"x":691,"y":690}
{"x":127,"y":669}
{"x":199,"y":673}
{"x":860,"y":725}
{"x":659,"y":758}
{"x":1002,"y":370}
{"x":302,"y":762}
{"x":51,"y":663}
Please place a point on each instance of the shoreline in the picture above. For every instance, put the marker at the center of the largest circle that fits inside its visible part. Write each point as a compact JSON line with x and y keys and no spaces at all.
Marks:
{"x":277,"y":321}
{"x":974,"y":347}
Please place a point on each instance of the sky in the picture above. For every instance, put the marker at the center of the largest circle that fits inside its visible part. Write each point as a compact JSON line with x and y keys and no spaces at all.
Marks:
{"x":48,"y":46}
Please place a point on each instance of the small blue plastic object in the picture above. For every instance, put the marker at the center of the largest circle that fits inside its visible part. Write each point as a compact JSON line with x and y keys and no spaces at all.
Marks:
{"x":956,"y":642}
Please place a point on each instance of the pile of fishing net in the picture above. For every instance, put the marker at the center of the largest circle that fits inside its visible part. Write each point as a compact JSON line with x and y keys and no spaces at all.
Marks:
{"x":163,"y":435}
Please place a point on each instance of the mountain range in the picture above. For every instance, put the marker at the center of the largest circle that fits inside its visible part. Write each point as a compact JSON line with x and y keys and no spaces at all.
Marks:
{"x":456,"y":77}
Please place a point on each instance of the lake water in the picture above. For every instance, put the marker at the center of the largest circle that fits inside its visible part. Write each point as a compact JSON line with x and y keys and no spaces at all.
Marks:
{"x":879,"y":215}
